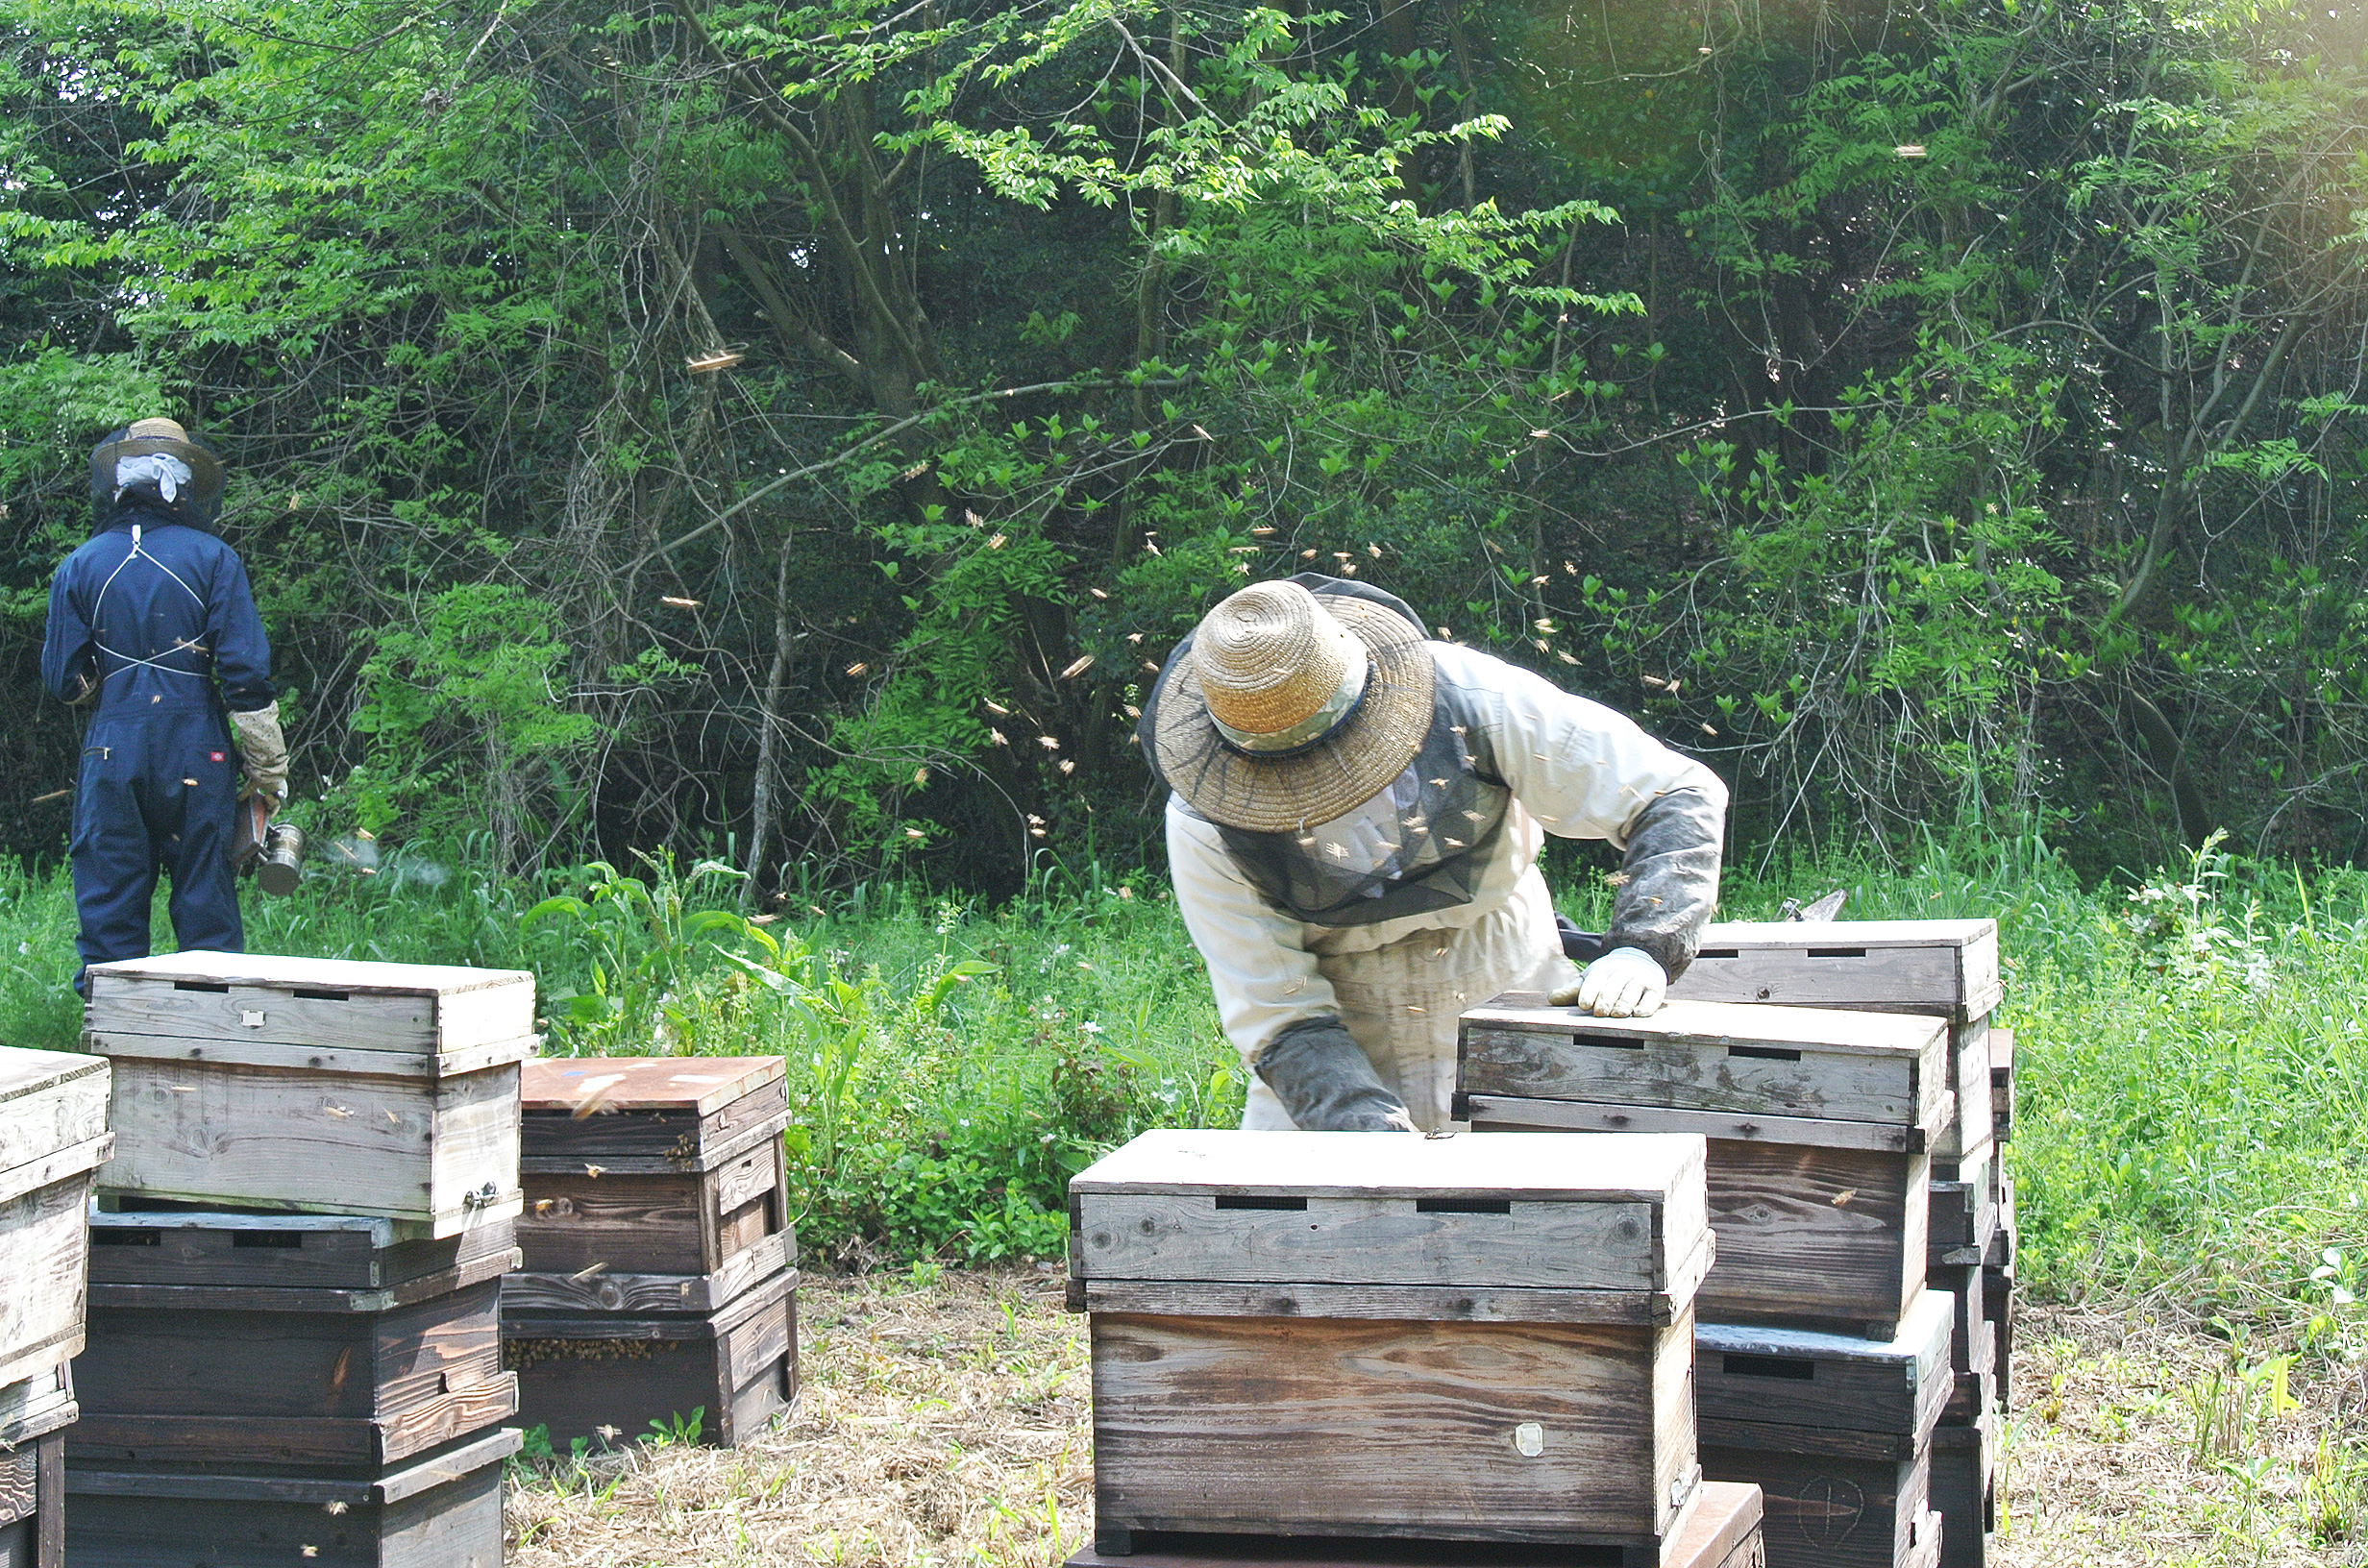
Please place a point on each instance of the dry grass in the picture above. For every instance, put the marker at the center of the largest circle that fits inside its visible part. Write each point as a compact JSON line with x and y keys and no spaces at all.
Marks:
{"x":944,"y":1421}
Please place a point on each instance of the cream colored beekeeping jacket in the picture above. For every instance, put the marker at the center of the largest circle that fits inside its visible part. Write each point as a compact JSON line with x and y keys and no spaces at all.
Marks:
{"x":1574,"y":767}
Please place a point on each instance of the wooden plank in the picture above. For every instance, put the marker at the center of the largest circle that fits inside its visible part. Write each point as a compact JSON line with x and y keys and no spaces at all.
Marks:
{"x":1827,"y":1382}
{"x":1830,"y":1513}
{"x":1563,"y":1054}
{"x":117,"y":1520}
{"x":360,"y":976}
{"x":640,"y":1145}
{"x":584,"y":1087}
{"x":339,"y":1252}
{"x":19,"y":1481}
{"x":1831,"y":1031}
{"x":37,"y":1405}
{"x":24,"y":1074}
{"x":1815,"y":1237}
{"x":49,"y":1517}
{"x":57,"y":1167}
{"x":44,"y":1244}
{"x":633,"y":1294}
{"x":397,"y":1483}
{"x":2002,"y":1081}
{"x":56,"y":1101}
{"x":1443,"y":1431}
{"x":293,"y":1441}
{"x":1963,"y":1199}
{"x":1721,"y":1529}
{"x":1506,"y":1113}
{"x":1963,"y":1495}
{"x":1948,"y":968}
{"x":1419,"y":1303}
{"x":1969,"y":1068}
{"x":619,"y":1225}
{"x":231,"y":1136}
{"x":610,"y":1376}
{"x":314,"y":1055}
{"x":1579,"y":1246}
{"x":1330,"y":1166}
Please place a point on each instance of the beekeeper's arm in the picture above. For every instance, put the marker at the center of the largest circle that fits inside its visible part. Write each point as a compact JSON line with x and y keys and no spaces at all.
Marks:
{"x":1586,"y":772}
{"x":1279,"y":1012}
{"x":242,"y":665}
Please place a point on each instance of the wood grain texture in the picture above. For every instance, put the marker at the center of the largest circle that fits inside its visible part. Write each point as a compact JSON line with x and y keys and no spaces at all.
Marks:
{"x":293,"y":1441}
{"x":1949,"y":967}
{"x":1721,"y":1529}
{"x":1970,"y":1076}
{"x":131,"y":1520}
{"x":649,"y":1146}
{"x":2001,"y":1307}
{"x":316,"y":1055}
{"x":330,"y":1252}
{"x":44,"y":1244}
{"x":1416,"y":1303}
{"x":1579,"y":1246}
{"x":579,"y":1375}
{"x":48,"y":1105}
{"x":1336,"y":1165}
{"x":1827,"y":1382}
{"x":2002,"y":1081}
{"x":1505,"y":1113}
{"x":637,"y":1294}
{"x":19,"y":1478}
{"x":1963,"y":1494}
{"x":32,"y":1505}
{"x":183,"y":999}
{"x":1963,"y":1199}
{"x":1549,"y":1060}
{"x":1830,"y":1513}
{"x":24,"y":1074}
{"x":680,"y":1223}
{"x":241,"y":1137}
{"x":37,"y":1405}
{"x":1815,"y":1237}
{"x":584,"y":1087}
{"x":1349,"y":1427}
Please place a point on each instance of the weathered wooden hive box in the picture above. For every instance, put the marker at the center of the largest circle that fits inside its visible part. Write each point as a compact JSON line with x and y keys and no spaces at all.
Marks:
{"x":443,"y":1511}
{"x":325,"y":1344}
{"x":1837,"y":1430}
{"x":246,"y":1080}
{"x":34,"y":1412}
{"x":1461,"y":1339}
{"x":652,"y":1184}
{"x":1935,"y":969}
{"x":53,"y":1139}
{"x":1721,"y":1530}
{"x":615,"y":1374}
{"x":1965,"y":1488}
{"x":1819,"y":1125}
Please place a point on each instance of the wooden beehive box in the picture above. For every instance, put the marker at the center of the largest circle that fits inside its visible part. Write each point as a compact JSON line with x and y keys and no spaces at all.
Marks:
{"x":1720,"y":1529}
{"x":442,"y":1510}
{"x":53,"y":1137}
{"x":1478,"y":1339}
{"x":1819,"y":1126}
{"x":375,"y":1264}
{"x":1837,"y":1430}
{"x":247,"y":1080}
{"x":32,"y":1503}
{"x":2002,"y":1082}
{"x":1946,"y":968}
{"x":259,"y":1378}
{"x":611,"y":1373}
{"x":652,"y":1184}
{"x":1964,"y":1490}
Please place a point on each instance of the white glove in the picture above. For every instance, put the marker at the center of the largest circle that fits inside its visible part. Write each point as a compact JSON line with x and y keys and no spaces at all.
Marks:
{"x":1624,"y":983}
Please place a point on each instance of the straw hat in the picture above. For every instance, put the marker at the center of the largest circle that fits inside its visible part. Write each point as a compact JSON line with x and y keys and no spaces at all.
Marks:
{"x":1288,"y":708}
{"x":146,"y":437}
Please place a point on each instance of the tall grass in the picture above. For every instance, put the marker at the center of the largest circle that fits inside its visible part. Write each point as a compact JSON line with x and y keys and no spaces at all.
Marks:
{"x":2193,"y":1049}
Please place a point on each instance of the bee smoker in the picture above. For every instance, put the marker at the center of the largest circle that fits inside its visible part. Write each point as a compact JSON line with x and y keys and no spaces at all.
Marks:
{"x":274,"y":851}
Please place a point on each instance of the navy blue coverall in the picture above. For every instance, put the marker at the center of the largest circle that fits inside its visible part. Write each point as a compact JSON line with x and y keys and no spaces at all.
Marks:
{"x":157,"y":614}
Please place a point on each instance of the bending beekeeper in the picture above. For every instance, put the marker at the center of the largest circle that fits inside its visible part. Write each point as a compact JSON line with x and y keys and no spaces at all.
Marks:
{"x":1353,"y":831}
{"x":152,"y":623}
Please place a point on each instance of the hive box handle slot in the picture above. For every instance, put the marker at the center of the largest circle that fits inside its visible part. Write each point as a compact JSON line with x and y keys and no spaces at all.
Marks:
{"x":1765,"y":1053}
{"x":1718,"y":952}
{"x":1737,"y":1364}
{"x":1463,"y":1206}
{"x":1610,"y":1042}
{"x":219,"y":987}
{"x":1837,"y":952}
{"x":126,"y":1238}
{"x":313,"y":994}
{"x":1238,"y":1200}
{"x":266,"y":1238}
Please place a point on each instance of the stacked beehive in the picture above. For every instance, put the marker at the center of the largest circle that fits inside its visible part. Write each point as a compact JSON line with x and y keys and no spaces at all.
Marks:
{"x":1843,"y":1075}
{"x":1946,"y":971}
{"x":53,"y":1137}
{"x":1462,"y":1343}
{"x":657,"y":1286}
{"x":295,"y":1349}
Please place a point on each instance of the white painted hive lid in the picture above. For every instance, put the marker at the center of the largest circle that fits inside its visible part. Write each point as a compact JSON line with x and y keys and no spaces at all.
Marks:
{"x":1586,"y":1167}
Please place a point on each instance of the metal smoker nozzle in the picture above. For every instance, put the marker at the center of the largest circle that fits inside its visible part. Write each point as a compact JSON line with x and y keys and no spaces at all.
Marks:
{"x":283,"y":852}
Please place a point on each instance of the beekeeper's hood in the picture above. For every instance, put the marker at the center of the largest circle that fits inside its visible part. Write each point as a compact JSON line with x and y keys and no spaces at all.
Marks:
{"x":154,"y":463}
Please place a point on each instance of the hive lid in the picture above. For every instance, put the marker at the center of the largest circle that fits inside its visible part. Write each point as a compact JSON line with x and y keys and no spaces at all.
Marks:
{"x":24,"y":1074}
{"x":1823,"y":1030}
{"x":590,"y":1084}
{"x":1790,"y":934}
{"x":1581,"y":1167}
{"x":281,"y":971}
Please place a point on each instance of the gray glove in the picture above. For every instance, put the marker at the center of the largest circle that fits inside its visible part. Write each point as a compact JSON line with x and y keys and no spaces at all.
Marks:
{"x":1326,"y":1082}
{"x":264,"y":753}
{"x":1672,"y":879}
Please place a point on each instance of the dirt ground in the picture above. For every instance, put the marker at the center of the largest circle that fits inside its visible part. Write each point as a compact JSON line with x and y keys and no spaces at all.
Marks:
{"x":944,"y":1420}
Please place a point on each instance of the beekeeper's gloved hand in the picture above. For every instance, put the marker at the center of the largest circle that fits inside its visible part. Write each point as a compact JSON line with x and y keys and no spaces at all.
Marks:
{"x":1624,"y":983}
{"x":1327,"y":1083}
{"x":264,"y":753}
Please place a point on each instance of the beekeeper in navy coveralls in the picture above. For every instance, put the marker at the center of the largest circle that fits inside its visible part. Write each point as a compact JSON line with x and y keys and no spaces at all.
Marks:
{"x":153,"y":622}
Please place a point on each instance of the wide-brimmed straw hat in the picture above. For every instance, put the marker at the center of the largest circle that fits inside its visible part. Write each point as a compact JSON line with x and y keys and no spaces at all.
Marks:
{"x":1289,"y":707}
{"x":146,"y":437}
